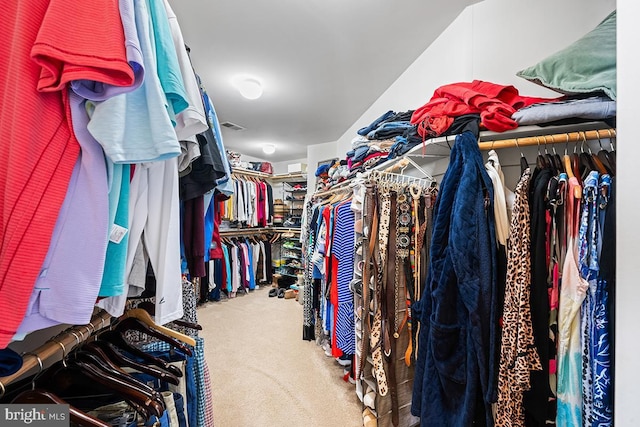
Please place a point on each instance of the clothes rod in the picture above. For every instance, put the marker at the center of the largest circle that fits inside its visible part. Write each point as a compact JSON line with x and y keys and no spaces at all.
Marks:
{"x":252,"y":231}
{"x":541,"y":140}
{"x":68,"y":339}
{"x":249,"y":172}
{"x":338,"y":188}
{"x":290,"y":176}
{"x":244,"y":231}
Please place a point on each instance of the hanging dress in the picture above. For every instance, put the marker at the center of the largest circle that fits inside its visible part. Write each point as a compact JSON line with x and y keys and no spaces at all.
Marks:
{"x":572,"y":292}
{"x":518,"y":356}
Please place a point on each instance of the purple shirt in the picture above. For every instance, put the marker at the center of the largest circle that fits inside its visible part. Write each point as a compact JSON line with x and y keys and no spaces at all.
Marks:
{"x":66,"y":290}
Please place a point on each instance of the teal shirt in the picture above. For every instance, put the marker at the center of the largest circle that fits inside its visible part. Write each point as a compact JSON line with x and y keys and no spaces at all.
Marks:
{"x":113,"y":277}
{"x":167,"y":60}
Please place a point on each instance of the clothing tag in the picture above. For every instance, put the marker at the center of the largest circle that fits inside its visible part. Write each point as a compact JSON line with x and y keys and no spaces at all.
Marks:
{"x":117,"y":233}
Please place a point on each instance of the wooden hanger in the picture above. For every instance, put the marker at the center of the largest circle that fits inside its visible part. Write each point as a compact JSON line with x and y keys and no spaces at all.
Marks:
{"x":110,"y":351}
{"x":79,"y":377}
{"x":132,"y":323}
{"x":145,"y":317}
{"x":109,"y":369}
{"x":568,"y":168}
{"x":44,"y":397}
{"x":116,"y":338}
{"x":150,"y":308}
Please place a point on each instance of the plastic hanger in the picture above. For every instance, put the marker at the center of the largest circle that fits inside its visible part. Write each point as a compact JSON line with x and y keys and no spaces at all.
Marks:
{"x":44,"y":397}
{"x":541,"y":161}
{"x":551,"y":164}
{"x":586,"y":159}
{"x":524,"y":164}
{"x":603,"y":156}
{"x":145,"y":318}
{"x":556,"y":160}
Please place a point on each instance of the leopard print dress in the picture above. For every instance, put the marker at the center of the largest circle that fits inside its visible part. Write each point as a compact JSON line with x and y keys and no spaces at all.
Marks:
{"x":518,"y":355}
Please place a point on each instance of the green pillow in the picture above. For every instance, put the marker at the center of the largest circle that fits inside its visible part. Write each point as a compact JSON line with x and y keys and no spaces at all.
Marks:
{"x":588,"y":65}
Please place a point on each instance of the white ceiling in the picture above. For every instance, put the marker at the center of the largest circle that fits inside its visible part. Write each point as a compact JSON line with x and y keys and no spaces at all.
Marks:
{"x":322,"y":63}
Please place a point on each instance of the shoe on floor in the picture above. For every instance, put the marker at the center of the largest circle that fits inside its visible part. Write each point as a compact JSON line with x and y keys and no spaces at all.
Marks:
{"x":348,"y":379}
{"x":281,"y":293}
{"x":368,"y":419}
{"x":369,"y":399}
{"x":344,"y":360}
{"x":273,"y":293}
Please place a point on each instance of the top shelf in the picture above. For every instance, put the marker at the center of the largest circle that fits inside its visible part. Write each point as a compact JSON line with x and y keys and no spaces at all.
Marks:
{"x":249,"y":172}
{"x":294,"y":177}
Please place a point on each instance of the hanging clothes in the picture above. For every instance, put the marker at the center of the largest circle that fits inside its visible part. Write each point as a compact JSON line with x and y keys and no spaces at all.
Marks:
{"x":518,"y":355}
{"x":251,"y":205}
{"x":572,"y":293}
{"x":193,"y":235}
{"x":343,"y":244}
{"x":37,"y":184}
{"x":455,"y":368}
{"x":537,"y":399}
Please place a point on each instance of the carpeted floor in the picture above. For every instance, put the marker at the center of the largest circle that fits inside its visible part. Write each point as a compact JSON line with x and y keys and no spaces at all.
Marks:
{"x":264,"y":375}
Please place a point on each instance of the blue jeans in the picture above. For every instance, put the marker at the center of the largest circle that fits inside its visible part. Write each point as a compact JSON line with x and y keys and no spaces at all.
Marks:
{"x":375,"y":123}
{"x":189,"y":378}
{"x":154,"y":421}
{"x":389,"y":129}
{"x":179,"y":402}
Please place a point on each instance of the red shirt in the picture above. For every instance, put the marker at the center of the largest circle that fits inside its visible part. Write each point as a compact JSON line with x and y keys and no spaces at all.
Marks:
{"x":495,"y":103}
{"x":47,"y":44}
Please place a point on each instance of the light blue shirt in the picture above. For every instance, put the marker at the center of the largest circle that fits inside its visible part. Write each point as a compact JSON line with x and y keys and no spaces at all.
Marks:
{"x":167,"y":59}
{"x":135,"y":127}
{"x":225,"y":186}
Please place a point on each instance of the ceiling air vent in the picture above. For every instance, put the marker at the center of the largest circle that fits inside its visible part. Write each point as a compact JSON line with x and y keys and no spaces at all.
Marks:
{"x":232,"y":126}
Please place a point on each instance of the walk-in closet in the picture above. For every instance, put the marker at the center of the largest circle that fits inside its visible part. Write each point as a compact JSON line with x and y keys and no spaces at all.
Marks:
{"x":355,"y":213}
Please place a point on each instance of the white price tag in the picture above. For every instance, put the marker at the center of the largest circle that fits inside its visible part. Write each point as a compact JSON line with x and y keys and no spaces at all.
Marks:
{"x":117,"y":233}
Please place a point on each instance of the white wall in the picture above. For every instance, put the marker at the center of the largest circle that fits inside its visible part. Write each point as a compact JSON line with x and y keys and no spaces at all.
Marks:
{"x":627,"y":383}
{"x":491,"y":41}
{"x":447,"y":60}
{"x":509,"y":35}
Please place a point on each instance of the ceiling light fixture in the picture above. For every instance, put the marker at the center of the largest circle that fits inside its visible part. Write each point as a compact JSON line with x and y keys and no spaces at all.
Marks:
{"x":269,"y":148}
{"x":249,"y":87}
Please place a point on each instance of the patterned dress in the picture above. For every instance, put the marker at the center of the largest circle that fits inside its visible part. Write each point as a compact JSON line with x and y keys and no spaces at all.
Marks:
{"x":572,"y":294}
{"x":518,"y":355}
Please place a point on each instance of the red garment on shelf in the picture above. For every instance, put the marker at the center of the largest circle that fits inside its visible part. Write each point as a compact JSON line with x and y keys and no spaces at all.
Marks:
{"x":495,"y":103}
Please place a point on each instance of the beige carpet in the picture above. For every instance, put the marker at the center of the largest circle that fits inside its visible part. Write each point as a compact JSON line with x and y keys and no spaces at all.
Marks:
{"x":264,"y":374}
